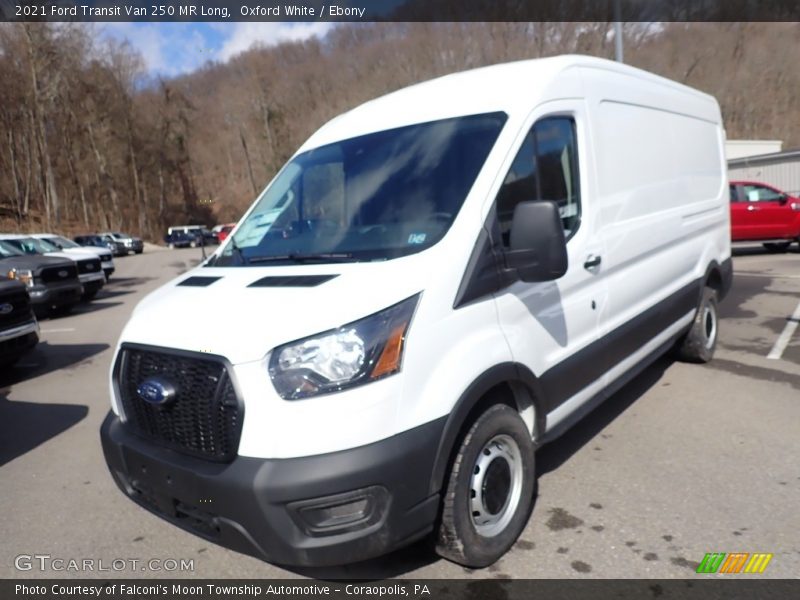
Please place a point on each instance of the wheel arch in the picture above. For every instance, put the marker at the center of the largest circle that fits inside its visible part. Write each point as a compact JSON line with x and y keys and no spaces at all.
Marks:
{"x":718,"y":277}
{"x":507,"y":383}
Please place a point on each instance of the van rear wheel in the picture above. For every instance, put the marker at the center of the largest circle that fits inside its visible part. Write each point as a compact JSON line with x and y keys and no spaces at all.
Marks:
{"x":490,"y":489}
{"x":699,"y":343}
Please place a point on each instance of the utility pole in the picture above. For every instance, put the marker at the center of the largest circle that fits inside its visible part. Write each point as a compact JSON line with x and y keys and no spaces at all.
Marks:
{"x":618,"y":53}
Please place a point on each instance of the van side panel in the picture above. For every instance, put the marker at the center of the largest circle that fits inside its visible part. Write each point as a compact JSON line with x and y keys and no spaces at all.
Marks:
{"x":662,"y":191}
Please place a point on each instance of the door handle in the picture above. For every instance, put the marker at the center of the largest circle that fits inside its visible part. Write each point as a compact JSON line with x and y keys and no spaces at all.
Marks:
{"x":592,"y":261}
{"x":751,"y":207}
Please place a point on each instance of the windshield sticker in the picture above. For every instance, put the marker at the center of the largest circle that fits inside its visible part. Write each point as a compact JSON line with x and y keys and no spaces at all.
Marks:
{"x":417,"y":238}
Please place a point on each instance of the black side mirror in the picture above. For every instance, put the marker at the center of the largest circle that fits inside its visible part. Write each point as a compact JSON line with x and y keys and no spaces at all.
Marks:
{"x":783,"y":198}
{"x":538,"y":248}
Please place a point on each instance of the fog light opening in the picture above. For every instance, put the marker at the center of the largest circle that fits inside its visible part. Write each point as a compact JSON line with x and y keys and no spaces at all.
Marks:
{"x":343,"y":512}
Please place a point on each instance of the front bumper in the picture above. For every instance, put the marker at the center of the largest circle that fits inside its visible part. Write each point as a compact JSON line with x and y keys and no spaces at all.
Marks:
{"x":55,"y":295}
{"x":108,"y":268}
{"x":134,"y":246}
{"x":257,"y":506}
{"x":17,"y":340}
{"x":92,"y":282}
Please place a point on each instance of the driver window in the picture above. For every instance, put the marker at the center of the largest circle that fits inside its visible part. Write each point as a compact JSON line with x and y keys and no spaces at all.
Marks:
{"x":760,"y":193}
{"x":545,"y":168}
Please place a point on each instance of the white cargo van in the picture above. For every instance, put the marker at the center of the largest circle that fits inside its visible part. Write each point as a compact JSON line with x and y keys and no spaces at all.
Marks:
{"x":459,"y":271}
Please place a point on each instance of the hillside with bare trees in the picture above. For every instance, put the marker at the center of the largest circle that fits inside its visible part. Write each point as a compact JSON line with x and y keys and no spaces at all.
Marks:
{"x":88,"y":141}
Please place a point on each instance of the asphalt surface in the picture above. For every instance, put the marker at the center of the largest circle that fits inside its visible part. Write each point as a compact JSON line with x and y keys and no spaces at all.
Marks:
{"x":685,"y":460}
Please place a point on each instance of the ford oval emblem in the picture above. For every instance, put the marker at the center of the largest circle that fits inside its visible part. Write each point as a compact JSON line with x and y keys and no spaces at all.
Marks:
{"x":63,"y":273}
{"x":156,"y":391}
{"x":90,"y":267}
{"x":6,"y":308}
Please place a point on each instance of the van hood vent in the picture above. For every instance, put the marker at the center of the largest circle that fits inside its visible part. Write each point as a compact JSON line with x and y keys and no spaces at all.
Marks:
{"x":197,"y":281}
{"x":292,"y":281}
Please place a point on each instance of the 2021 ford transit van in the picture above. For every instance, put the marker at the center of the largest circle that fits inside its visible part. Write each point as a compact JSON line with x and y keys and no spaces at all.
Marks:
{"x":437,"y":283}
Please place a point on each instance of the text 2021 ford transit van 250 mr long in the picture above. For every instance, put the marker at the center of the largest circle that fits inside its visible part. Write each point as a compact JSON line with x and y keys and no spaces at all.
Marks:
{"x":437,"y":283}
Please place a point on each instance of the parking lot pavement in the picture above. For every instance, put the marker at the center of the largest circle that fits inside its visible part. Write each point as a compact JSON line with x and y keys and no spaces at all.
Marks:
{"x":685,"y":460}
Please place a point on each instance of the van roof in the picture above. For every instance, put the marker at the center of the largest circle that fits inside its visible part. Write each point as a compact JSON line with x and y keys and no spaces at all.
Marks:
{"x":514,"y":88}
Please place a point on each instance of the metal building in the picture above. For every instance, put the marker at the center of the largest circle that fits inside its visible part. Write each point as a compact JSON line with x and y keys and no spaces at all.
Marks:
{"x":741,"y":148}
{"x":780,"y":169}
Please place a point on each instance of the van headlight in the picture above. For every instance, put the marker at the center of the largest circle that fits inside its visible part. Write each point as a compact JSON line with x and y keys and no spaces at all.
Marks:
{"x":363,"y":351}
{"x":23,"y":275}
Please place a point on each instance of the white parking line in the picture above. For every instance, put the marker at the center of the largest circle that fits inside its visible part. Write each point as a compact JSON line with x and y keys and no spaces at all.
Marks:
{"x":65,"y":330}
{"x":786,"y":335}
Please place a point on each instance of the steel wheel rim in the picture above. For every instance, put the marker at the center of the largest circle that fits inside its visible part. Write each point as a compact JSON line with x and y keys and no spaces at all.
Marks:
{"x":709,"y":325}
{"x":499,"y":459}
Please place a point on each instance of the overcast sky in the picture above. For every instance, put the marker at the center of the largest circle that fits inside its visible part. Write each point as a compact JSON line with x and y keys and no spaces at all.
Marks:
{"x":173,"y":48}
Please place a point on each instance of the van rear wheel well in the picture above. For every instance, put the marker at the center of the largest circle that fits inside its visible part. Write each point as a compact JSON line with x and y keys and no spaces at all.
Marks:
{"x":714,"y":280}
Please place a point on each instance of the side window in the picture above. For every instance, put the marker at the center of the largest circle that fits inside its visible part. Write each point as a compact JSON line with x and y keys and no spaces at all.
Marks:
{"x":545,"y":168}
{"x":760,"y":193}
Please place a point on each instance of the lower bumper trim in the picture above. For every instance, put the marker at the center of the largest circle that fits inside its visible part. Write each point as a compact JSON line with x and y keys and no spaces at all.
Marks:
{"x":254,"y":505}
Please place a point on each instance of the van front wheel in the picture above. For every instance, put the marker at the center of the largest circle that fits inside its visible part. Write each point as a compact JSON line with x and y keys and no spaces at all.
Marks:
{"x":699,"y":343}
{"x":489,"y":493}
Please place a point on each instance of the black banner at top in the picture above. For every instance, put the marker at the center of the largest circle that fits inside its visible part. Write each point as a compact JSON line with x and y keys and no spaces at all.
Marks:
{"x":399,"y":10}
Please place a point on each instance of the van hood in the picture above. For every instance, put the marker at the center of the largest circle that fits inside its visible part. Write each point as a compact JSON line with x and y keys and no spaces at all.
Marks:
{"x":219,"y":310}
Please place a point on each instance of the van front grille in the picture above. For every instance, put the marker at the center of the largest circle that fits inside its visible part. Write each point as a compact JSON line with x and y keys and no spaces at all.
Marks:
{"x":204,"y":416}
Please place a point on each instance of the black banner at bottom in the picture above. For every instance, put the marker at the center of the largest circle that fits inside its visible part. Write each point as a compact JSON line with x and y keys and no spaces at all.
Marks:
{"x":434,"y":589}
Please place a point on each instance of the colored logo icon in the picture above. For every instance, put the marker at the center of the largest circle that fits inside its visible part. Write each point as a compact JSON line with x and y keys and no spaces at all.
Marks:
{"x":736,"y":562}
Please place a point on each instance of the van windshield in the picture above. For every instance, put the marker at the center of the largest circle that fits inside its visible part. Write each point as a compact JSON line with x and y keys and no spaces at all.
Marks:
{"x":374,"y":197}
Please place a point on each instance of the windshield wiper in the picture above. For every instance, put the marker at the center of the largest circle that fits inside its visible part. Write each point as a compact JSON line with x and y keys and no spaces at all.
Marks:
{"x":302,"y":258}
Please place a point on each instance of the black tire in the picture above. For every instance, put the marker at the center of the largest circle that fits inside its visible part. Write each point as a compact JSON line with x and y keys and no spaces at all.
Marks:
{"x":89,"y":296}
{"x":467,"y":536}
{"x":139,"y":251}
{"x":700,"y":341}
{"x":777,"y":246}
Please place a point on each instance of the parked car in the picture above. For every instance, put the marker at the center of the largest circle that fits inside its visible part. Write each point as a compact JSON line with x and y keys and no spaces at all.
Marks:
{"x":461,"y":270}
{"x":71,"y":248}
{"x":52,"y":282}
{"x":90,"y":271}
{"x":95,"y":240}
{"x":19,"y":330}
{"x":181,"y":239}
{"x":131,"y":244}
{"x":203,"y":235}
{"x":763,"y":213}
{"x":224,"y":231}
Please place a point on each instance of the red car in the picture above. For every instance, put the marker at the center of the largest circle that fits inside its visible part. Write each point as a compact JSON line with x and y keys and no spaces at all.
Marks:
{"x":223,"y":233}
{"x":761,"y":213}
